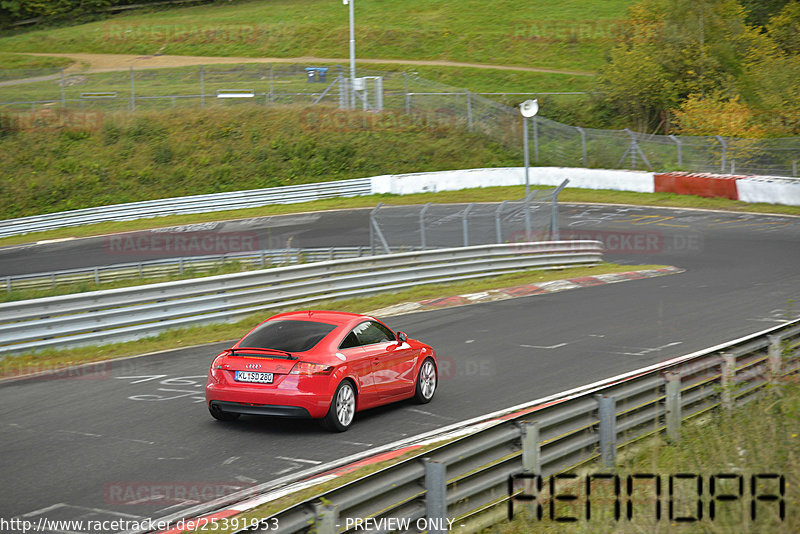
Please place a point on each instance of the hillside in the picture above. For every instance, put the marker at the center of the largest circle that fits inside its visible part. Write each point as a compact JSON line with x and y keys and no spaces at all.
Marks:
{"x":570,"y":35}
{"x":123,"y":158}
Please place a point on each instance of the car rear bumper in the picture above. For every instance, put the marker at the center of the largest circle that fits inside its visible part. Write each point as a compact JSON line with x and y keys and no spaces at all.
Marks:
{"x":286,"y":401}
{"x":260,"y":409}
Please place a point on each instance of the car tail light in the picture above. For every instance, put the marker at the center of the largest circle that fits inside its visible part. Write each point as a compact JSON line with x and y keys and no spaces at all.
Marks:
{"x":307,"y":368}
{"x":216,"y":363}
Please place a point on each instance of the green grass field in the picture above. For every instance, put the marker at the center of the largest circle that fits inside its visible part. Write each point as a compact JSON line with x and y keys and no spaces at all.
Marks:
{"x":566,"y":35}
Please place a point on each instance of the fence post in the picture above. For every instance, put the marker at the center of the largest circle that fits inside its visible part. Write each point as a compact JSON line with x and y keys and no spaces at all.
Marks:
{"x":375,"y":229}
{"x":794,"y":167}
{"x":733,"y":165}
{"x":728,"y":372}
{"x":673,"y":406}
{"x":554,"y":235}
{"x":774,"y":357}
{"x":583,"y":143}
{"x":680,"y":151}
{"x":202,"y":87}
{"x":606,"y":410}
{"x":325,"y":518}
{"x":435,"y":496}
{"x":63,"y":86}
{"x":422,"y":236}
{"x":469,"y":110}
{"x":498,"y":222}
{"x":133,"y":93}
{"x":405,"y":93}
{"x":724,"y":146}
{"x":271,"y":75}
{"x":465,"y":223}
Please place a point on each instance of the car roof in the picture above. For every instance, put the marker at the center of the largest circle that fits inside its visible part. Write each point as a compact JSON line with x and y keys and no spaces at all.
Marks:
{"x":331,"y":317}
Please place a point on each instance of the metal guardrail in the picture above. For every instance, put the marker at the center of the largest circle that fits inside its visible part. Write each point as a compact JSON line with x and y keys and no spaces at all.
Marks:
{"x":131,"y":313}
{"x":184,"y":205}
{"x":177,"y":266}
{"x":468,"y":478}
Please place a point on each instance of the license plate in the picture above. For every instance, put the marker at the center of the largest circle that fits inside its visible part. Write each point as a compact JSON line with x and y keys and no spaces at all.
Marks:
{"x":253,"y":376}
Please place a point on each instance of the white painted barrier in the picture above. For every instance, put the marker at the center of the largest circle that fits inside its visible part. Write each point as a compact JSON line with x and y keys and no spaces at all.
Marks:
{"x":769,"y":189}
{"x":432,"y":182}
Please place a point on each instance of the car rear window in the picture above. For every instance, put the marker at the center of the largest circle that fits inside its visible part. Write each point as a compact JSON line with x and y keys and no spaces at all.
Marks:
{"x":289,"y":336}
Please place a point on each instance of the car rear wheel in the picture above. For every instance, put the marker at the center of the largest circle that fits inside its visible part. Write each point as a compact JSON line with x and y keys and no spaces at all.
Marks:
{"x":219,"y":415}
{"x":426,"y":382}
{"x":343,"y":408}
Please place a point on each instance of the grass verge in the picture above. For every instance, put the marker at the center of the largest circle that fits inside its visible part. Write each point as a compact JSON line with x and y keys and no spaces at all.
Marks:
{"x":57,"y":360}
{"x":483,"y":194}
{"x":761,"y":437}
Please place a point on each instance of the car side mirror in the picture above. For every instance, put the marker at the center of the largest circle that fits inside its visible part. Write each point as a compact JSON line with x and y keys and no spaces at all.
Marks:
{"x":402,"y":337}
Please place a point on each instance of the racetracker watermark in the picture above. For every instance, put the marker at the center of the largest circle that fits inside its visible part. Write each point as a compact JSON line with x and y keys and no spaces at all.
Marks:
{"x":183,"y":33}
{"x":678,"y":498}
{"x":449,"y":368}
{"x":51,"y":119}
{"x":126,"y":493}
{"x":626,"y":242}
{"x":347,"y":121}
{"x":38,"y":371}
{"x":181,"y":243}
{"x":571,"y":31}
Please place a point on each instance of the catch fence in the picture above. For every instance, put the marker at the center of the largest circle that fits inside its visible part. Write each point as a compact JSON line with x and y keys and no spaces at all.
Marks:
{"x":48,"y":98}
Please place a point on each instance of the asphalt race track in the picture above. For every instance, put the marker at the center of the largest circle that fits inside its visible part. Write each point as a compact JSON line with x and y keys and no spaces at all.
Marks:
{"x":103,"y":445}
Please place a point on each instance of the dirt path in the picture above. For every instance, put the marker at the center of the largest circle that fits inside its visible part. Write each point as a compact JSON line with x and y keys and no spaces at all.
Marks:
{"x":116,"y":62}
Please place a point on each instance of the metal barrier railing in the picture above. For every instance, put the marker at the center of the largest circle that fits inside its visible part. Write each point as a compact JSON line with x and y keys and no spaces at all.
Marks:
{"x":131,"y":313}
{"x":177,"y":266}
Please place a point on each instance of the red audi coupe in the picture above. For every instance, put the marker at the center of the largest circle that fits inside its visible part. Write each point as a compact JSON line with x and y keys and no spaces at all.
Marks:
{"x":321,"y":364}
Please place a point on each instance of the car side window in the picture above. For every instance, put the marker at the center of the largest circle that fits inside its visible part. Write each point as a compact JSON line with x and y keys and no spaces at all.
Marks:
{"x":349,"y":341}
{"x":370,"y":332}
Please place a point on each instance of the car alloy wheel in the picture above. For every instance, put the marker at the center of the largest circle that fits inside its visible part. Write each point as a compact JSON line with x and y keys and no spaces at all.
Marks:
{"x":343,"y":408}
{"x":426,"y":382}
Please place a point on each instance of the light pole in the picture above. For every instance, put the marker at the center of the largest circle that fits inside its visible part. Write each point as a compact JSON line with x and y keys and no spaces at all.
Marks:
{"x":352,"y":54}
{"x":529,"y":108}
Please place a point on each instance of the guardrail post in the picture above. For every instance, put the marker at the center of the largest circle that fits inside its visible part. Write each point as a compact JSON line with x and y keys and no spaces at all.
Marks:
{"x":606,"y":408}
{"x":141,"y":274}
{"x":435,"y":496}
{"x":97,"y":276}
{"x":8,"y":284}
{"x":53,"y":280}
{"x":728,"y":372}
{"x":325,"y":518}
{"x":774,"y":357}
{"x":673,"y":405}
{"x":531,"y":451}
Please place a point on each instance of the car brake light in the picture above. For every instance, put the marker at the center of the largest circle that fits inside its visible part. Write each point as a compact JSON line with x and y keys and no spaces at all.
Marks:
{"x":307,"y":368}
{"x":215,"y":364}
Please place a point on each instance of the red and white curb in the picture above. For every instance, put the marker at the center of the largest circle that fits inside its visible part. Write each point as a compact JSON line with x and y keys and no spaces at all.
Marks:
{"x":523,"y":291}
{"x":396,"y":450}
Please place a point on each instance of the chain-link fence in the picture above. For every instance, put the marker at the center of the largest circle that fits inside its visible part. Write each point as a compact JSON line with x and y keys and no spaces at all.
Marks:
{"x":445,"y":225}
{"x":29,"y":98}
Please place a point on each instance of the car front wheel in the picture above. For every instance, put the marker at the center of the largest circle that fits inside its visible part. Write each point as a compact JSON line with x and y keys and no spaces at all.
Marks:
{"x":426,"y":382}
{"x":343,"y":408}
